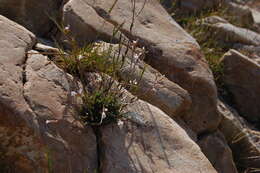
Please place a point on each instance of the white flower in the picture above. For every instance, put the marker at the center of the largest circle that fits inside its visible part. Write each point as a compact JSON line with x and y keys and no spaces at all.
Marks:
{"x":120,"y":123}
{"x":80,"y":57}
{"x":73,"y":93}
{"x":134,"y":82}
{"x":67,"y":29}
{"x":135,"y":42}
{"x":99,"y":78}
{"x":136,"y":56}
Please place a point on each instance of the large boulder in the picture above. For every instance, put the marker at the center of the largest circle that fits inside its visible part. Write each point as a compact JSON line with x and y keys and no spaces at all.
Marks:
{"x":34,"y":15}
{"x":198,"y":5}
{"x":242,"y":77}
{"x":38,"y":127}
{"x":243,"y":141}
{"x":170,"y":49}
{"x":229,"y":33}
{"x":215,"y":147}
{"x":147,"y":146}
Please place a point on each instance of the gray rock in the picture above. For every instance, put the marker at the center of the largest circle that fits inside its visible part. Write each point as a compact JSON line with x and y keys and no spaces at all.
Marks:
{"x":34,"y":15}
{"x":243,"y":141}
{"x":127,"y":147}
{"x":37,"y":121}
{"x":221,"y":158}
{"x":242,"y":76}
{"x":214,"y":20}
{"x":170,"y":49}
{"x":233,"y":34}
{"x":198,"y":5}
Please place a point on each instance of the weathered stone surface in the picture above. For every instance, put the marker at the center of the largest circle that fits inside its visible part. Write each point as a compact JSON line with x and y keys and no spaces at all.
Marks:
{"x":197,"y":5}
{"x":214,"y":19}
{"x":170,"y":49}
{"x":229,"y":33}
{"x":243,"y":141}
{"x":54,"y":104}
{"x":35,"y":111}
{"x":252,"y":52}
{"x":256,"y":16}
{"x":242,"y":76}
{"x":34,"y":15}
{"x":15,"y":133}
{"x":241,"y":14}
{"x":149,"y":147}
{"x":233,"y":34}
{"x":255,"y":4}
{"x":215,"y":147}
{"x":85,"y":24}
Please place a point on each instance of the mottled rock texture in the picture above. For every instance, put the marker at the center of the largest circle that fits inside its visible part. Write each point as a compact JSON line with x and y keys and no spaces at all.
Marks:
{"x":170,"y":49}
{"x":242,"y":76}
{"x":36,"y":114}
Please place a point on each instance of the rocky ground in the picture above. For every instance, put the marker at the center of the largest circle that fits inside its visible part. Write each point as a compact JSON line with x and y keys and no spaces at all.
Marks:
{"x":202,"y":116}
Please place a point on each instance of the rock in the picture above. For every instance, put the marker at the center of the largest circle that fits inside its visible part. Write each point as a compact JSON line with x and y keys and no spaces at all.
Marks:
{"x":214,"y":20}
{"x":36,"y":114}
{"x":232,"y":34}
{"x":253,"y":52}
{"x":198,"y":5}
{"x":170,"y":49}
{"x":255,"y":4}
{"x":215,"y":147}
{"x":129,"y":147}
{"x":46,"y":49}
{"x":242,"y":77}
{"x":240,"y":14}
{"x":68,"y":141}
{"x":34,"y":15}
{"x":243,"y":142}
{"x":85,"y":24}
{"x":256,"y":16}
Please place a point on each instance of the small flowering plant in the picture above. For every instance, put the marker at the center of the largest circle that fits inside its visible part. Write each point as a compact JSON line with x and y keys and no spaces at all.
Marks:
{"x":102,"y":103}
{"x":100,"y":109}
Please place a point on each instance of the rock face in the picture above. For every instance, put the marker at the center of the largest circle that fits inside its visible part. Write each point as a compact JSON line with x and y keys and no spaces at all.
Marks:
{"x":149,"y":147}
{"x":197,"y":5}
{"x":167,"y":44}
{"x":36,"y":109}
{"x":243,"y":141}
{"x":34,"y":15}
{"x":178,"y":125}
{"x":40,"y":123}
{"x":222,"y":158}
{"x":242,"y":76}
{"x":233,"y":34}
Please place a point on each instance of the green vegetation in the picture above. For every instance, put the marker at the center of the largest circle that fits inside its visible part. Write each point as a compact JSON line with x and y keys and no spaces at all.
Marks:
{"x":211,"y":46}
{"x":104,"y":102}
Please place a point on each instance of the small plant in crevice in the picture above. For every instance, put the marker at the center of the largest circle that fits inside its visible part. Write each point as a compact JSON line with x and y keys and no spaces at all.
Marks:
{"x":102,"y":99}
{"x":104,"y":102}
